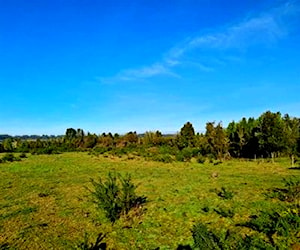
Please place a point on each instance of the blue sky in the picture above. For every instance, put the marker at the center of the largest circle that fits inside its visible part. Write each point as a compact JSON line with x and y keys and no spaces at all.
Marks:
{"x":119,"y":66}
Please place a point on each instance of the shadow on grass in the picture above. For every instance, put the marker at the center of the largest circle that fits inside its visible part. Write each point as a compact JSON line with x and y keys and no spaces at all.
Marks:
{"x":4,"y":246}
{"x":294,"y":168}
{"x":180,"y":247}
{"x":184,"y":247}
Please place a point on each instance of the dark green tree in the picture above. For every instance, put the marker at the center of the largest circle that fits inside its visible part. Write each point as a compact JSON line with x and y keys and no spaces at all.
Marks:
{"x":270,"y":135}
{"x":217,"y":140}
{"x":186,"y":137}
{"x":291,"y":136}
{"x":70,"y":134}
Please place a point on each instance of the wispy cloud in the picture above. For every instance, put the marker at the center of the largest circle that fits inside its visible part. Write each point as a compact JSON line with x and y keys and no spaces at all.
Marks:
{"x":263,"y":29}
{"x":259,"y":30}
{"x":156,"y":69}
{"x":148,"y":71}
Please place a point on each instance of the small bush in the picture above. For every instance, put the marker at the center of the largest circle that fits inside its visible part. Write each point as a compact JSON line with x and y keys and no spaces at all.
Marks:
{"x":187,"y":153}
{"x":281,"y":227}
{"x":119,"y":151}
{"x":217,"y":162}
{"x":252,"y":242}
{"x":204,"y":238}
{"x":290,"y":193}
{"x":225,"y":194}
{"x":179,"y":157}
{"x":211,"y":158}
{"x":116,"y":195}
{"x":166,"y":158}
{"x":201,"y":159}
{"x":206,"y":209}
{"x":47,"y":150}
{"x":23,"y":155}
{"x":10,"y":157}
{"x":225,"y":212}
{"x":280,"y":222}
{"x":98,"y":245}
{"x":101,"y":150}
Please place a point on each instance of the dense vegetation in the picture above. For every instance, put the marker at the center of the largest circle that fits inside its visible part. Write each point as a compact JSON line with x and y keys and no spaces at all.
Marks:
{"x":269,"y":136}
{"x":211,"y":190}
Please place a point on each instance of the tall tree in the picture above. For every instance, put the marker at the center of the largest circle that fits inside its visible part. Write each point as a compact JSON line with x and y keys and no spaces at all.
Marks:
{"x":221,"y":141}
{"x":217,"y":140}
{"x":70,"y":134}
{"x":291,"y":136}
{"x":186,"y":137}
{"x":270,"y":135}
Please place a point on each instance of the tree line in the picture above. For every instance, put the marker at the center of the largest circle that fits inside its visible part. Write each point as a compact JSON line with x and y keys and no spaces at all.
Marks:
{"x":268,"y":136}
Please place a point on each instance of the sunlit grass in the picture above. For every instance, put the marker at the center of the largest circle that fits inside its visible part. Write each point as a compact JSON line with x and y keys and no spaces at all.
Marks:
{"x":44,"y":202}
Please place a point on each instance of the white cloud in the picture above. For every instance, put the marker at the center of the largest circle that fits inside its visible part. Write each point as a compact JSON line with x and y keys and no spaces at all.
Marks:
{"x":156,"y":69}
{"x":264,"y":29}
{"x":148,"y":71}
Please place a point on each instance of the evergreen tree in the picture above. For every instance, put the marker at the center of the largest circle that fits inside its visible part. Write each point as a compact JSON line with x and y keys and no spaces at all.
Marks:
{"x":70,"y":134}
{"x":217,"y":140}
{"x":186,"y":137}
{"x":291,"y":136}
{"x":270,"y":135}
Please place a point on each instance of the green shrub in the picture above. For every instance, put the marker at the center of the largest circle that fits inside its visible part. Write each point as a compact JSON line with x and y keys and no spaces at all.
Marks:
{"x":282,"y":222}
{"x":119,"y":151}
{"x":217,"y":162}
{"x":201,"y":159}
{"x":101,"y":150}
{"x":290,"y":193}
{"x":225,"y":212}
{"x":165,"y":149}
{"x":206,"y":209}
{"x":23,"y":155}
{"x":47,"y":150}
{"x":166,"y":158}
{"x":280,"y":227}
{"x":211,"y":158}
{"x":252,"y":242}
{"x":98,"y":245}
{"x":10,"y":157}
{"x":187,"y":154}
{"x":204,"y":238}
{"x":179,"y":157}
{"x":116,"y":195}
{"x":225,"y":193}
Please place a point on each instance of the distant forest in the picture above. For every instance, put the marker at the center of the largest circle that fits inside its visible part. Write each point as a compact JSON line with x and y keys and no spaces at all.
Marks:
{"x":269,"y":136}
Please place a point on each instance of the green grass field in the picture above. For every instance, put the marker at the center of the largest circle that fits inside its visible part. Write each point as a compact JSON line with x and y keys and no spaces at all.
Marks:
{"x":44,"y":202}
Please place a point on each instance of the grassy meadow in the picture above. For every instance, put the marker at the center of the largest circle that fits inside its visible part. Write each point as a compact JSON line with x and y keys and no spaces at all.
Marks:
{"x":45,"y":202}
